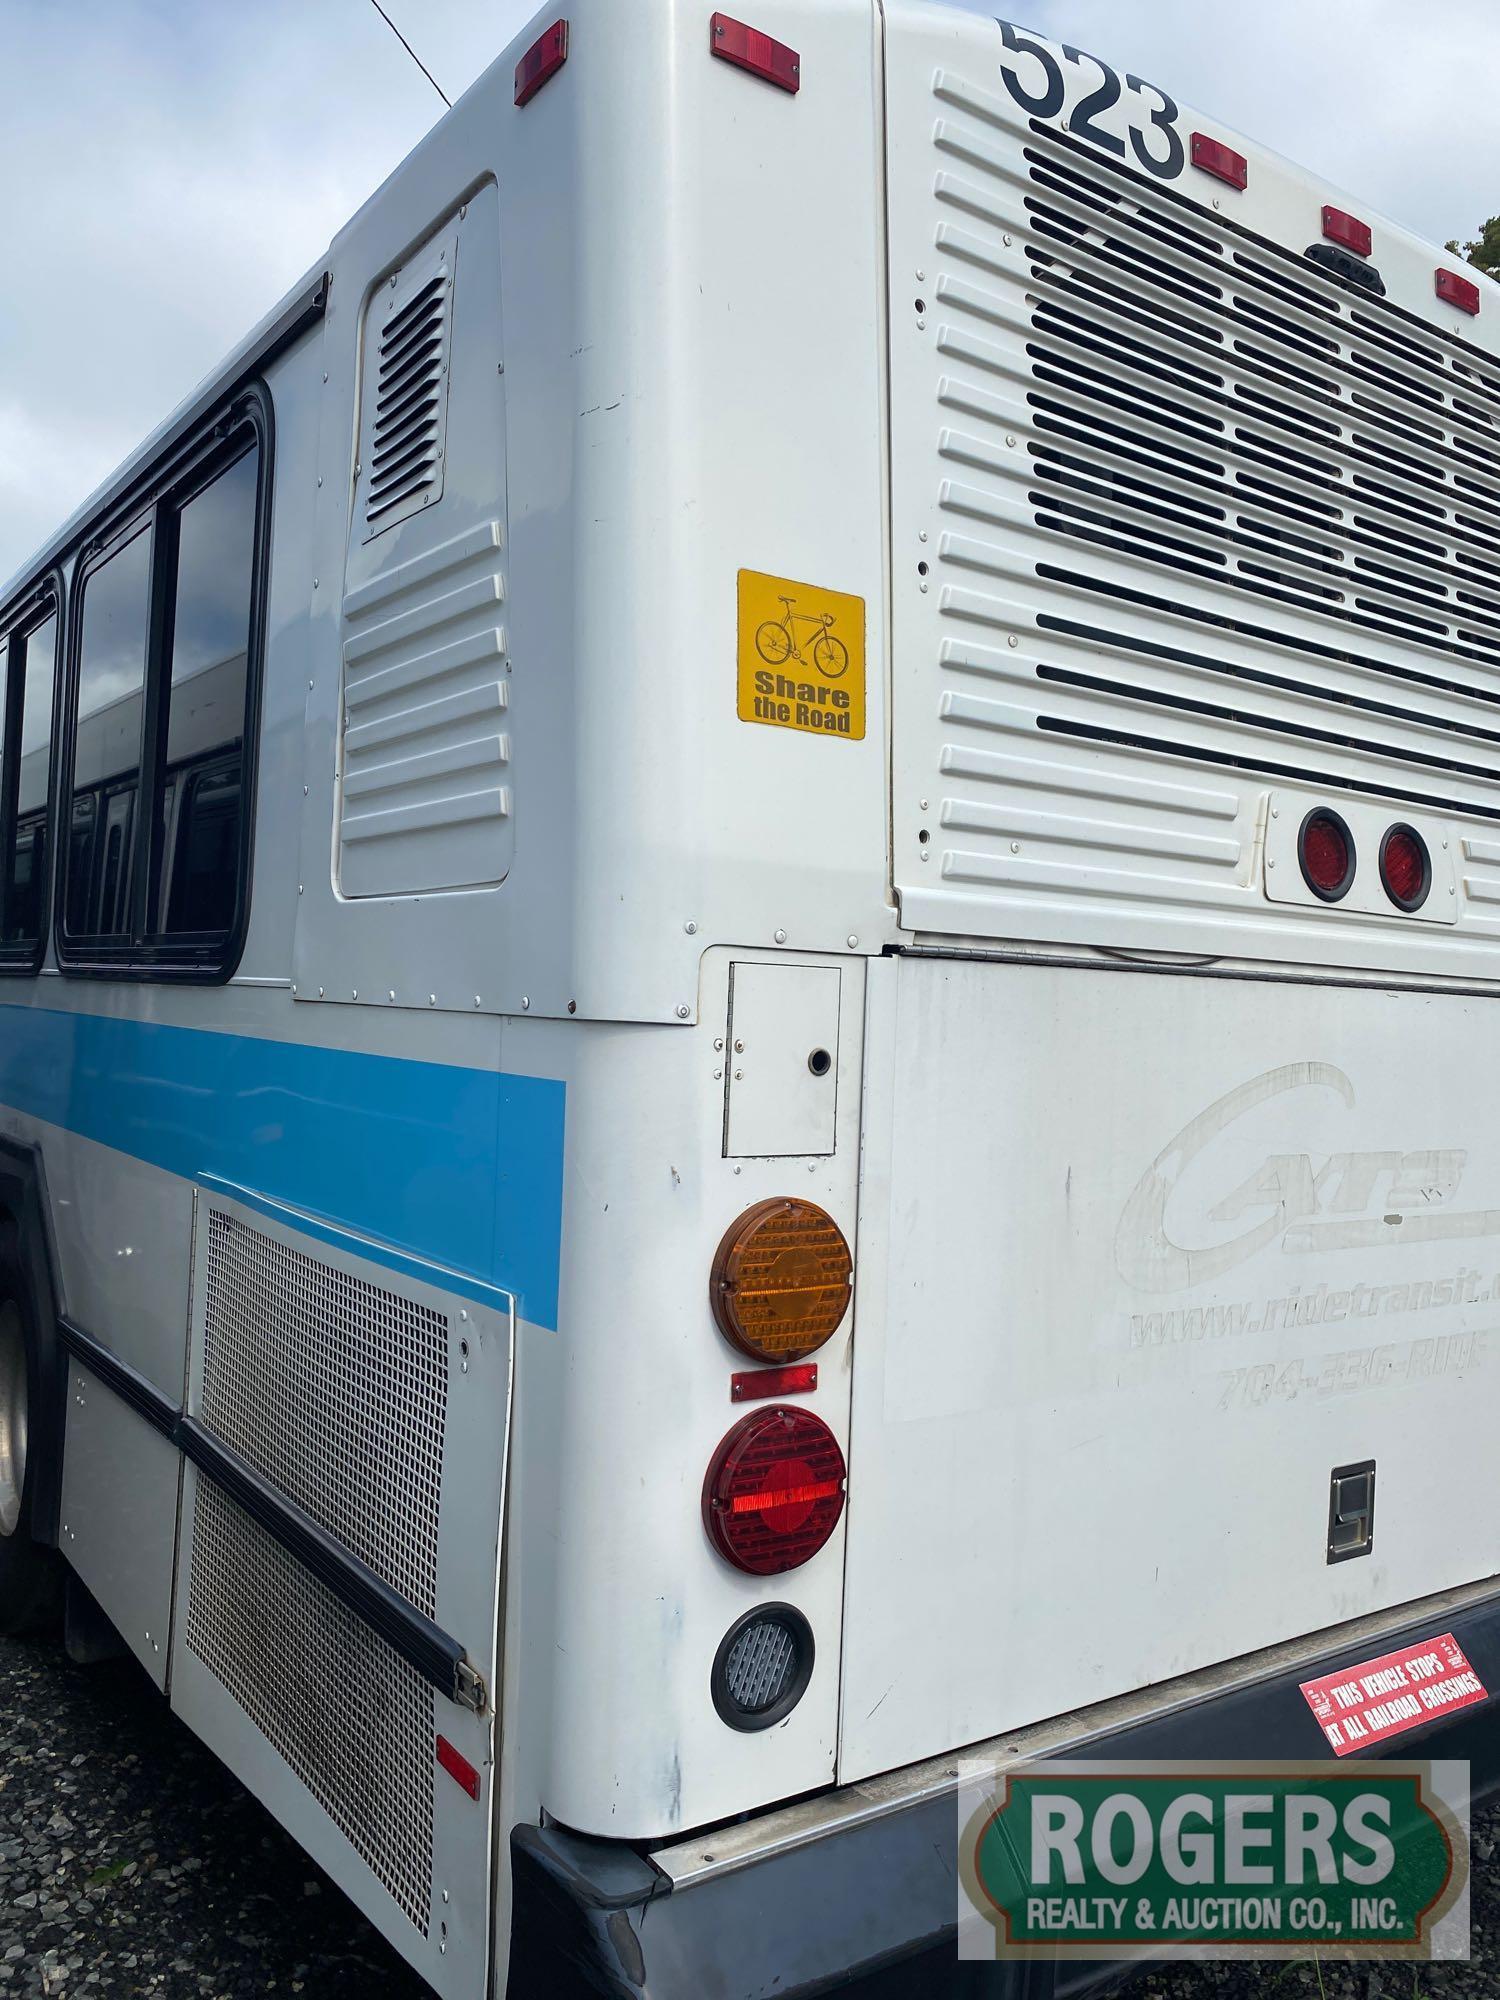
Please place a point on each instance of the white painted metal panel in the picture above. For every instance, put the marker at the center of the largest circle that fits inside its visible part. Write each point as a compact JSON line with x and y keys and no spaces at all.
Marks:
{"x":781,"y":1065}
{"x":118,"y":1524}
{"x":1142,"y":1258}
{"x":1177,"y":520}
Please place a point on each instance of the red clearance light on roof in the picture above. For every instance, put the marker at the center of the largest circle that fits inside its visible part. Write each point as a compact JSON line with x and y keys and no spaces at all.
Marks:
{"x":457,"y":1765}
{"x":1223,"y":162}
{"x":542,"y":60}
{"x":1456,"y":291}
{"x":748,"y":48}
{"x":1341,"y":227}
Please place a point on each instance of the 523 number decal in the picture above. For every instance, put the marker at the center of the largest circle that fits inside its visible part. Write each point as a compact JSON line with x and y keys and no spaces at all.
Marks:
{"x":1043,"y":90}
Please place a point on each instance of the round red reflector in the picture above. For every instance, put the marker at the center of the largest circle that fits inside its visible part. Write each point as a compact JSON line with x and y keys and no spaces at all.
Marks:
{"x":1326,"y":850}
{"x":774,"y":1491}
{"x":1405,"y":868}
{"x":780,"y":1280}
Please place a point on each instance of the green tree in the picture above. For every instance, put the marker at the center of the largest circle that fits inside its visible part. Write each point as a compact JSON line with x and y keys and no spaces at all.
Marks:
{"x":1484,"y":252}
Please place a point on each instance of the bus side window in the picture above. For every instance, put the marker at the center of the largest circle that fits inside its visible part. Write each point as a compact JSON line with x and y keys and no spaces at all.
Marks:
{"x":107,"y":741}
{"x":30,"y":663}
{"x":205,"y":703}
{"x":81,"y":864}
{"x":205,"y":851}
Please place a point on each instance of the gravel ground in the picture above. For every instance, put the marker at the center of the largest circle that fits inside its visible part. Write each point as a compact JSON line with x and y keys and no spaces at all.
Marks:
{"x":131,"y":1863}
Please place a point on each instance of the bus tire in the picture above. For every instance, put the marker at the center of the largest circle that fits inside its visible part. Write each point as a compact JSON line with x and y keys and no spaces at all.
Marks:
{"x":30,"y":1576}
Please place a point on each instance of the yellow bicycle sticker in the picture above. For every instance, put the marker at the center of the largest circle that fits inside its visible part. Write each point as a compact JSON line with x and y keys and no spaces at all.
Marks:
{"x":801,"y":656}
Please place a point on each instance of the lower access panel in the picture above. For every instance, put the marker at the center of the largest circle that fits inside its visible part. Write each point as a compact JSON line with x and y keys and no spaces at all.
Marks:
{"x":118,"y":1525}
{"x":368,"y":1408}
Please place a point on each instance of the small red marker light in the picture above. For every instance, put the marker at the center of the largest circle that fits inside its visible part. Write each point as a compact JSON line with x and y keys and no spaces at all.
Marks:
{"x":457,"y":1765}
{"x":1456,"y":291}
{"x":760,"y":1385}
{"x":748,"y":48}
{"x":542,"y":60}
{"x":1341,"y":227}
{"x":1223,"y":162}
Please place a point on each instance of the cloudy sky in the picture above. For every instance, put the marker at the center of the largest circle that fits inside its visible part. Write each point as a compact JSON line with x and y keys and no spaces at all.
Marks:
{"x":170,"y":167}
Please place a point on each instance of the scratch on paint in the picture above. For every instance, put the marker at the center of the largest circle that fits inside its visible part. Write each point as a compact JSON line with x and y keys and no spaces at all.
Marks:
{"x":882,"y":1698}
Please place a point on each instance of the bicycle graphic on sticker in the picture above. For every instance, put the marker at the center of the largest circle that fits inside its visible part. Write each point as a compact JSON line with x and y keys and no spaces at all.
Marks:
{"x":776,"y":641}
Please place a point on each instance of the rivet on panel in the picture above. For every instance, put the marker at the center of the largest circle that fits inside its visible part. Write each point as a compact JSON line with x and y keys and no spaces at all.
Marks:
{"x":391,"y":993}
{"x":572,"y":1006}
{"x":1012,"y":641}
{"x":320,"y":992}
{"x":852,"y":940}
{"x":691,"y":928}
{"x":781,"y":937}
{"x":525,"y":1003}
{"x":683,"y":1011}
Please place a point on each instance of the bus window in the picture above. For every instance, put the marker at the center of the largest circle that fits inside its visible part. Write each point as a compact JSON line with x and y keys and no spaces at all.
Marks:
{"x":81,"y":864}
{"x":23,"y":903}
{"x":205,"y":852}
{"x":205,"y":701}
{"x":107,"y":742}
{"x":27,"y":675}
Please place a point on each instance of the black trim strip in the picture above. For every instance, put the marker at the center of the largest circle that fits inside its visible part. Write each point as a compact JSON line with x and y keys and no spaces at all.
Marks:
{"x":130,"y":1386}
{"x":439,"y":1659}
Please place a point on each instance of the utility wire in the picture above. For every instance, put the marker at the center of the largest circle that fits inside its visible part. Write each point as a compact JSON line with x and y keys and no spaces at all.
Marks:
{"x":412,"y":53}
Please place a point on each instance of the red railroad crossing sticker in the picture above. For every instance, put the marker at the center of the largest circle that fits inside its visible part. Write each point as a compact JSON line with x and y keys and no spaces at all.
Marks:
{"x":1380,"y":1698}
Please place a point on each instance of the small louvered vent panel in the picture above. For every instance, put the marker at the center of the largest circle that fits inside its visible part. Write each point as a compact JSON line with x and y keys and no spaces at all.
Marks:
{"x":1210,"y":523}
{"x":325,"y":1383}
{"x":404,"y":422}
{"x":349,"y":1716}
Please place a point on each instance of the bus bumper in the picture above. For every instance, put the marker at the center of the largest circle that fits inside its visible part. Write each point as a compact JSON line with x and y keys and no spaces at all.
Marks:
{"x":858,"y":1886}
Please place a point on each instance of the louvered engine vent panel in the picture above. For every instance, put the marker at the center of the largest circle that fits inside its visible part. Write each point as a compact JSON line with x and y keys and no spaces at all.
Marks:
{"x":1206,"y":524}
{"x":325,"y":1383}
{"x":404,"y":421}
{"x":349,"y":1716}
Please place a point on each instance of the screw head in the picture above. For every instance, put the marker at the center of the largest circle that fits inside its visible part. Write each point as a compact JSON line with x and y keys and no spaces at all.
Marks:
{"x":851,"y":940}
{"x":781,"y":937}
{"x":691,"y":928}
{"x":683,"y":1011}
{"x":525,"y":1003}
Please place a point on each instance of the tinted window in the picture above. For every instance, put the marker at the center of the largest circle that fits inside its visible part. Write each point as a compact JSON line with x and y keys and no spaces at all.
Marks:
{"x":107,"y":745}
{"x":34,"y":659}
{"x":205,"y":700}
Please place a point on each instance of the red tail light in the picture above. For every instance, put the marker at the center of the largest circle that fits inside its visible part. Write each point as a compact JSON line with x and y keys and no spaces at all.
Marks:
{"x":1325,"y":847}
{"x":1405,"y":868}
{"x":774,"y":1491}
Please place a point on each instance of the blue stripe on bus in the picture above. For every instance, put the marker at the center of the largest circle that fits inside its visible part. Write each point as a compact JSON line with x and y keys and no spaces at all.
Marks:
{"x":459,"y":1167}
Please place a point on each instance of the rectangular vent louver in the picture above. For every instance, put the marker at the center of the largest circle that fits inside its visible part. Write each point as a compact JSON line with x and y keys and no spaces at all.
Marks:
{"x":324,"y":1383}
{"x":1211,"y":523}
{"x":348,"y":1714}
{"x":403,"y":433}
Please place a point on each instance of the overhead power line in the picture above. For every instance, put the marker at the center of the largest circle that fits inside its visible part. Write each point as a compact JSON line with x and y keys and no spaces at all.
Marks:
{"x":412,"y":53}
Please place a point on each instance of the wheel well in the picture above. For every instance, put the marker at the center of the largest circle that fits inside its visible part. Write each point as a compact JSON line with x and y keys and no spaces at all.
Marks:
{"x":26,"y":1273}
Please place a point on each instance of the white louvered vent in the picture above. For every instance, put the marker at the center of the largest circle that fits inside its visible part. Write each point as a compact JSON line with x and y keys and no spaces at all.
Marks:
{"x":1207,"y":525}
{"x":404,"y":423}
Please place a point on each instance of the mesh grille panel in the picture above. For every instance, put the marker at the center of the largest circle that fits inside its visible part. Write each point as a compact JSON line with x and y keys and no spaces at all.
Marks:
{"x":336,"y":1391}
{"x":350,"y":1717}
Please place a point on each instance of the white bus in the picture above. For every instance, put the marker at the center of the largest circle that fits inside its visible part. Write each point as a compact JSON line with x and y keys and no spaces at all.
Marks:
{"x":747,"y":902}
